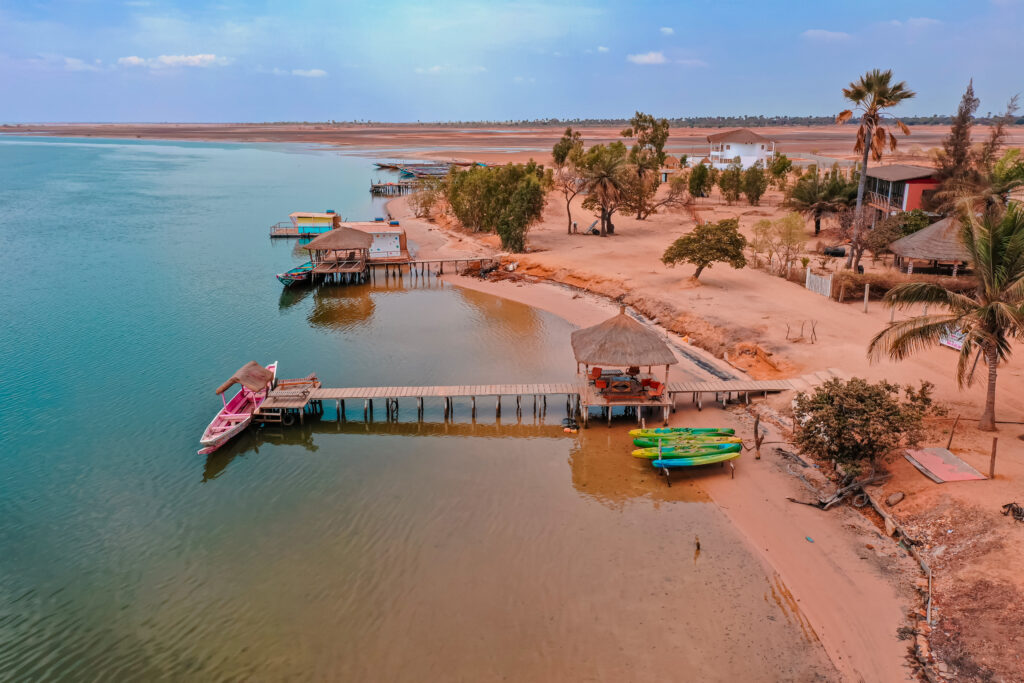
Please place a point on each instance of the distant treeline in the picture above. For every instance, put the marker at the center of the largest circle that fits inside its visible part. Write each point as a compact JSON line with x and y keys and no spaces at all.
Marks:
{"x":683,"y":122}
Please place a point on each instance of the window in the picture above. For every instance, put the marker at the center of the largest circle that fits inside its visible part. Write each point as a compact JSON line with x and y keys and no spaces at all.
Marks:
{"x":762,"y":147}
{"x":728,"y":146}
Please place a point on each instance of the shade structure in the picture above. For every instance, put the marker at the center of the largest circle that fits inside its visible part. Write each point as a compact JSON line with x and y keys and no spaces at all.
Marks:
{"x":938,"y":242}
{"x":340,"y":239}
{"x":621,"y":341}
{"x":252,"y":376}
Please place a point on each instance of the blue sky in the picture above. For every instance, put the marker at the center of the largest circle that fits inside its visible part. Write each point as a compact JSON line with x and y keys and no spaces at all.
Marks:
{"x":179,"y":60}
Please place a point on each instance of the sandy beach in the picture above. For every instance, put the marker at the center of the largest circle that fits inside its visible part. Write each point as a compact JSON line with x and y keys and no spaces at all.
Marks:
{"x":860,"y":591}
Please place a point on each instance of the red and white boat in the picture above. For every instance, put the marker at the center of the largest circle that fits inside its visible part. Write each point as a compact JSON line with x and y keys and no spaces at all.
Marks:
{"x":237,"y":413}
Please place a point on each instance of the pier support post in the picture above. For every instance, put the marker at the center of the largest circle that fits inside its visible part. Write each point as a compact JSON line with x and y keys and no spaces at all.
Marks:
{"x":473,"y":408}
{"x":419,"y":408}
{"x":497,"y":407}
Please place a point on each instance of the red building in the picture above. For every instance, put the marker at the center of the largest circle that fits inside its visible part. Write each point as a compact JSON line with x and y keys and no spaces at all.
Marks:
{"x":898,"y":187}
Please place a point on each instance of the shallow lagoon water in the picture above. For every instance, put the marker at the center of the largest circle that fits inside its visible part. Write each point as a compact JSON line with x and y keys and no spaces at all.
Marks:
{"x":140,"y":276}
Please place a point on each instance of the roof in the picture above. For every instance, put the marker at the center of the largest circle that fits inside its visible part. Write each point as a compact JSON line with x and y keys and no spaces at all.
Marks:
{"x":900,"y":172}
{"x":340,"y":239}
{"x":938,"y":242}
{"x":621,"y":341}
{"x":740,"y":135}
{"x":311,"y":214}
{"x":252,"y":376}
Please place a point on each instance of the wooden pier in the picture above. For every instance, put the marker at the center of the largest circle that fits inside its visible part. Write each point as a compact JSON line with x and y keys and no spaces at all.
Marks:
{"x":284,"y":404}
{"x":393,"y":189}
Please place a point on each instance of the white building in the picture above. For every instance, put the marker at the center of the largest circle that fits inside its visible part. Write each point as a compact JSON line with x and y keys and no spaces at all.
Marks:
{"x":743,"y":143}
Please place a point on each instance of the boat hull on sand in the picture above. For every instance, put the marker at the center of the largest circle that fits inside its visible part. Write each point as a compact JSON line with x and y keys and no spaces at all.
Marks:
{"x":687,"y":451}
{"x":234,"y":417}
{"x":298,"y":275}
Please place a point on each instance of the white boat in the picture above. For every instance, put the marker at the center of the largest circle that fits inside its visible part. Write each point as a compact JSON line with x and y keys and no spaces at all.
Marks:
{"x":236,"y":414}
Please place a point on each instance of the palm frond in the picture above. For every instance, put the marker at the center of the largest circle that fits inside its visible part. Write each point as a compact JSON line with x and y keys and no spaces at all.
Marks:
{"x":906,"y":337}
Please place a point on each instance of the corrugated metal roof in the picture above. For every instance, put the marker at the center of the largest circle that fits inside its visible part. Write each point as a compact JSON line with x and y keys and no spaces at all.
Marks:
{"x":895,"y":172}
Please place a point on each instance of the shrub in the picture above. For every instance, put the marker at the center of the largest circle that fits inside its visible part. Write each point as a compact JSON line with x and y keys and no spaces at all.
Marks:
{"x":855,"y":421}
{"x":708,"y":244}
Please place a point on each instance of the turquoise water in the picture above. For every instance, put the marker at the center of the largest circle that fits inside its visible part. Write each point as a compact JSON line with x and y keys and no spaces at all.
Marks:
{"x":140,"y":276}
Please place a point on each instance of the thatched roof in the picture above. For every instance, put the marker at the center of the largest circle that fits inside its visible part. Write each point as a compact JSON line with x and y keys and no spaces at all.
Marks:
{"x":340,"y":239}
{"x":252,"y":376}
{"x":896,"y":172}
{"x":621,"y":341}
{"x":938,"y":242}
{"x":741,"y":136}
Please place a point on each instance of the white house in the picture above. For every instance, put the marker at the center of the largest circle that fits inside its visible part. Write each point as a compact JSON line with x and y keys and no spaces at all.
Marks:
{"x":743,"y":143}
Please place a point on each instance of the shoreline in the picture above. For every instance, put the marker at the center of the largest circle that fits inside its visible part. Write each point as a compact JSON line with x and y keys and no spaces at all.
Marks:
{"x":853,"y":612}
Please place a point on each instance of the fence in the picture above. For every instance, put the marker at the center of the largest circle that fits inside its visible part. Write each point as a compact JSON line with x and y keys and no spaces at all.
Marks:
{"x":819,"y":284}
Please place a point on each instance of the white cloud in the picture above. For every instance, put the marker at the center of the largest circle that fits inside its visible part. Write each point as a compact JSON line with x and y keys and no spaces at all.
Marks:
{"x":174,"y":61}
{"x":824,"y":36}
{"x":602,"y":48}
{"x":74,"y":64}
{"x":667,"y":30}
{"x":447,"y":68}
{"x":309,"y":73}
{"x":647,"y":58}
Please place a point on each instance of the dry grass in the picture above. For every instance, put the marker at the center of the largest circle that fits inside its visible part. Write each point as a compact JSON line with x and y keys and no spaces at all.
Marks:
{"x":882,"y":282}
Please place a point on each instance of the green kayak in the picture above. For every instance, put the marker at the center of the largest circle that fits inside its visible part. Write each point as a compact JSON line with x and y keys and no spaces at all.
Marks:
{"x":679,"y":431}
{"x":688,"y":450}
{"x":682,"y":439}
{"x":694,"y":462}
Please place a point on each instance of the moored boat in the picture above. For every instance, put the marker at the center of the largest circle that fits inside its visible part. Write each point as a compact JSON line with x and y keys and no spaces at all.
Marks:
{"x":687,"y":450}
{"x":299,"y":274}
{"x":235,"y":416}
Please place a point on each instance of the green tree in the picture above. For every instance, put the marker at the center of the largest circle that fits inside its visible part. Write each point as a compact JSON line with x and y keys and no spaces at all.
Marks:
{"x":639,"y":194}
{"x":730,"y":182}
{"x":604,"y":167}
{"x":871,"y":95}
{"x":568,"y":177}
{"x":779,"y":169}
{"x":755,"y":183}
{"x":815,"y":196}
{"x":955,"y":166}
{"x":648,"y":153}
{"x":708,"y":244}
{"x":524,"y":206}
{"x":700,"y":181}
{"x":893,"y":228}
{"x":990,"y":319}
{"x":426,"y":197}
{"x":856,"y":421}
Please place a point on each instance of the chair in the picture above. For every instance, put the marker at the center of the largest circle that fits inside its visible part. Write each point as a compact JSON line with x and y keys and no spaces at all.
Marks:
{"x":595,"y":374}
{"x":646,"y":382}
{"x":601,"y":383}
{"x":657,"y":392}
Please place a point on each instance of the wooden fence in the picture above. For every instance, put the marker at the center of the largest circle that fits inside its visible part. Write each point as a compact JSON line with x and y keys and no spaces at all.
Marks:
{"x":819,"y":284}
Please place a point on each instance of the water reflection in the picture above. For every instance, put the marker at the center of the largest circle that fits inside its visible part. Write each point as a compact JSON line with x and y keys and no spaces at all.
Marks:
{"x":291,"y":296}
{"x":303,"y":435}
{"x":341,"y":306}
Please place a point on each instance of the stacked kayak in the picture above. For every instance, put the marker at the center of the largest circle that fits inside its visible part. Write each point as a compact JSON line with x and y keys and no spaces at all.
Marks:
{"x":673,"y":440}
{"x":682,"y":431}
{"x":671,"y":462}
{"x":687,"y":450}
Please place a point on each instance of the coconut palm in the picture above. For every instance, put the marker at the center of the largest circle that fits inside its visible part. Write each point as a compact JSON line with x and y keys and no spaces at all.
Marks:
{"x":815,"y":197}
{"x":604,"y":169}
{"x":871,"y":94}
{"x":990,"y":318}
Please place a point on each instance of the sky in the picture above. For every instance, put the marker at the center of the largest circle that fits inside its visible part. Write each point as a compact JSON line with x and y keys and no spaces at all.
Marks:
{"x":461,"y":60}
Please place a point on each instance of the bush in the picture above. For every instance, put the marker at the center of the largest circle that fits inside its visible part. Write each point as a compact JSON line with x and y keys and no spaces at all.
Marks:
{"x":854,"y":422}
{"x":882,"y":281}
{"x":708,"y":244}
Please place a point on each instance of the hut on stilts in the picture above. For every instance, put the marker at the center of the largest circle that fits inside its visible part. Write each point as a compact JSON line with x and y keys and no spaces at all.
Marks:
{"x":340,"y":255}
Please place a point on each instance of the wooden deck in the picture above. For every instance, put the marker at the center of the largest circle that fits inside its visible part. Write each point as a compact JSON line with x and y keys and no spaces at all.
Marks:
{"x":580,"y":397}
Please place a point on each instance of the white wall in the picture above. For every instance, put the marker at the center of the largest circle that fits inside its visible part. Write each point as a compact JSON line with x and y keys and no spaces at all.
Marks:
{"x":749,"y":153}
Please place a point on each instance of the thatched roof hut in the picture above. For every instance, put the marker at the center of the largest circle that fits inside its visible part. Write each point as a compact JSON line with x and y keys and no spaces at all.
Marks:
{"x":341,"y":239}
{"x":252,"y":376}
{"x":621,"y":341}
{"x":938,"y":242}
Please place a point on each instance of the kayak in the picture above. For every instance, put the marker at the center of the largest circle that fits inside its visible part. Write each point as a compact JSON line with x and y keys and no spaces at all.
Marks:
{"x":694,"y":462}
{"x":682,"y":439}
{"x":660,"y":431}
{"x":687,"y":450}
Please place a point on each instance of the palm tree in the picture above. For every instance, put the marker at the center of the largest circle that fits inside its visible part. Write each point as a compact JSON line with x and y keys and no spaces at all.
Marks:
{"x":604,"y":167}
{"x":870,"y":94}
{"x":990,"y":318}
{"x":814,"y":197}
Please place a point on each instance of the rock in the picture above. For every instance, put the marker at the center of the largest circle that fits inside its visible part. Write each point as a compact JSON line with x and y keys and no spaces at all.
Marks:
{"x":890,"y":527}
{"x":895,"y":498}
{"x":943,"y":668}
{"x":921,"y":583}
{"x":924,"y":650}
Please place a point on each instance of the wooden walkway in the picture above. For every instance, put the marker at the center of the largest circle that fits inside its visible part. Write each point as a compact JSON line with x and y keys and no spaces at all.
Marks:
{"x":579,"y":397}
